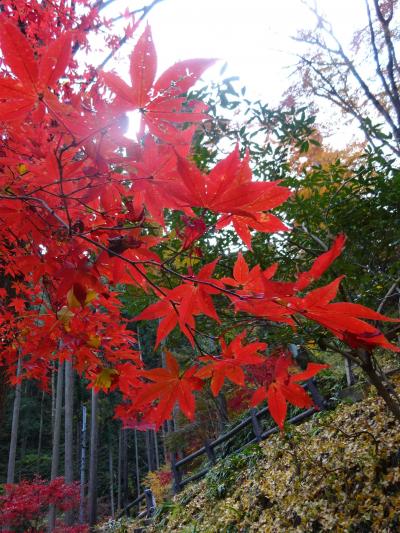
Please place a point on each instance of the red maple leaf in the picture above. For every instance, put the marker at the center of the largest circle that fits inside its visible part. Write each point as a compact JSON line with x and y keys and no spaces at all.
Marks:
{"x":228,"y":365}
{"x":263,"y":222}
{"x":252,"y":281}
{"x":285,"y":388}
{"x":168,"y":387}
{"x":160,"y":102}
{"x":343,"y":319}
{"x":228,"y":188}
{"x":181,"y":304}
{"x":321,"y":264}
{"x":33,"y":77}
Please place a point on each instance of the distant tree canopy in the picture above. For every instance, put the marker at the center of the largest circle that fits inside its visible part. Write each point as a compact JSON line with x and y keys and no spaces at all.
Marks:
{"x":361,"y":78}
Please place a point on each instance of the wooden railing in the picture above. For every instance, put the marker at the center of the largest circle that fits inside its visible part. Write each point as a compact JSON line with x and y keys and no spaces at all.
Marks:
{"x":209,"y":449}
{"x":253,"y":420}
{"x":148,"y":498}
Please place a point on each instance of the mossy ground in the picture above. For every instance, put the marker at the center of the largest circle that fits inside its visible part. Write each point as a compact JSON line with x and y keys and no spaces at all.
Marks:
{"x":339,"y":472}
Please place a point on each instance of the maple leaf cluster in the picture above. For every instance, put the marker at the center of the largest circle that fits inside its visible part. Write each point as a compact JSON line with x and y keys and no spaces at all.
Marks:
{"x":24,"y":504}
{"x":83,"y":211}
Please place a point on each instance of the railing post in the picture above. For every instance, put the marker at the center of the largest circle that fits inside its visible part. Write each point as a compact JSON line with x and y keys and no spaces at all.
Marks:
{"x":210,"y":452}
{"x":176,"y":473}
{"x":257,"y":430}
{"x":316,"y":395}
{"x":150,"y":502}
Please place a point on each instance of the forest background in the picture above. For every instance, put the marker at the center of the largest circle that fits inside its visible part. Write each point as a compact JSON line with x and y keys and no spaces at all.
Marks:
{"x":353,"y":190}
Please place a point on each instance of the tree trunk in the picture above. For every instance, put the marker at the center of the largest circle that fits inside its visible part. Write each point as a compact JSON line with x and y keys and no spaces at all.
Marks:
{"x":222,"y":412}
{"x":125,"y":488}
{"x":4,"y":386}
{"x":92,"y":488}
{"x":56,"y":438}
{"x":376,"y":380}
{"x":82,"y":468}
{"x":111,"y":475}
{"x":137,"y":473}
{"x":68,"y":427}
{"x":350,"y":378}
{"x":157,"y":455}
{"x":23,"y":432}
{"x":14,"y":428}
{"x":53,"y":398}
{"x":119,"y":474}
{"x":149,"y":451}
{"x":39,"y":447}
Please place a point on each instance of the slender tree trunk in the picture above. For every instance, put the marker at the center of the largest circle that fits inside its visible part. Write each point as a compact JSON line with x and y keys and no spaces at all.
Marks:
{"x":4,"y":385}
{"x":137,"y":473}
{"x":164,"y":444}
{"x":222,"y":411}
{"x":82,"y":468}
{"x":40,"y":437}
{"x":175,"y":427}
{"x":157,"y":455}
{"x":23,"y":433}
{"x":149,"y":451}
{"x":92,"y":488}
{"x":375,"y":379}
{"x":119,"y":476}
{"x":68,"y":427}
{"x":14,"y":428}
{"x":125,"y":489}
{"x":77,"y":446}
{"x":111,"y":475}
{"x":56,"y":439}
{"x":350,"y":378}
{"x":53,"y":398}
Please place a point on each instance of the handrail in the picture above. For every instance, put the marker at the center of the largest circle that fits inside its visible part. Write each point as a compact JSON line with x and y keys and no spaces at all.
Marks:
{"x":148,"y":496}
{"x":208,"y":449}
{"x":259,"y":435}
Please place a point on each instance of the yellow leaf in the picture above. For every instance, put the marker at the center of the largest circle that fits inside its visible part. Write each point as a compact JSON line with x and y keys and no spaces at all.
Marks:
{"x":94,"y":341}
{"x":22,"y":169}
{"x":65,"y":315}
{"x":72,"y":300}
{"x":90,"y":296}
{"x":105,"y":378}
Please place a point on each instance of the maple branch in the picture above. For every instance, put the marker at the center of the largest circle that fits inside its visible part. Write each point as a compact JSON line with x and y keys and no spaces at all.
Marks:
{"x":207,"y":335}
{"x":40,"y":201}
{"x":347,"y":355}
{"x":161,"y":267}
{"x":125,"y":259}
{"x":134,"y":264}
{"x":388,"y":294}
{"x":130,"y":13}
{"x":192,"y":332}
{"x":314,"y":237}
{"x":145,"y":10}
{"x":64,"y":199}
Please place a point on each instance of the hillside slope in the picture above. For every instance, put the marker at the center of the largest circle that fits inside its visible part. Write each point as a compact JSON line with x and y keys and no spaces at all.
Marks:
{"x":338,"y":472}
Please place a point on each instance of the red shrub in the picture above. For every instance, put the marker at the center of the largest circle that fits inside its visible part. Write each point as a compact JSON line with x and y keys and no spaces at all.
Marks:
{"x":23,"y":506}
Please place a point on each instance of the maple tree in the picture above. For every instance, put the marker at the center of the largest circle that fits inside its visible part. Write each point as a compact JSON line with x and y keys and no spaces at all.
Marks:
{"x":24,"y":505}
{"x":85,"y":209}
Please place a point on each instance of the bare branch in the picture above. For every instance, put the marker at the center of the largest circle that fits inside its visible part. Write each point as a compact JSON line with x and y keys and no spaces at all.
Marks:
{"x":145,"y":10}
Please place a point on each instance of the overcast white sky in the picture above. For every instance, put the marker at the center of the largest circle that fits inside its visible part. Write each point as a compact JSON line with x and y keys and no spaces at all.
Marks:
{"x":252,"y":36}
